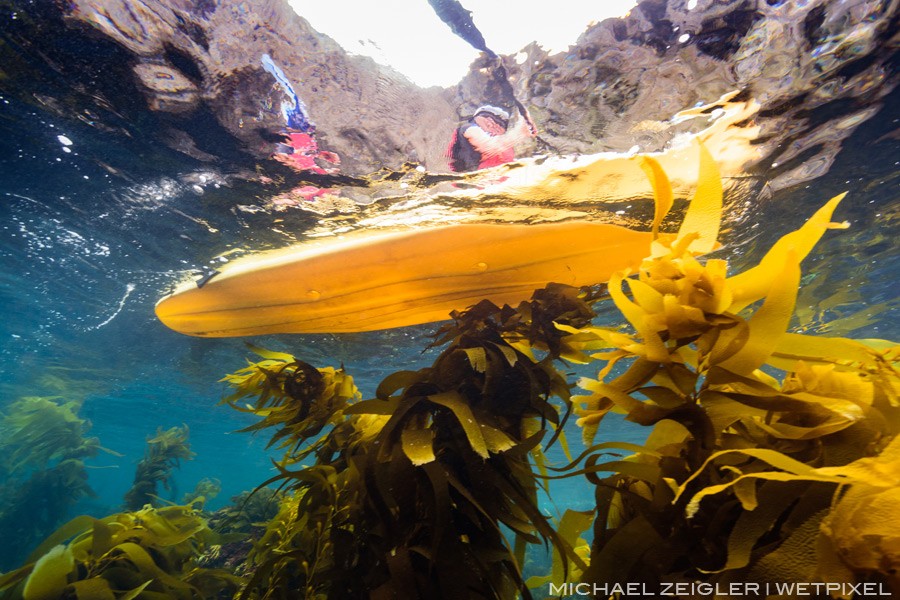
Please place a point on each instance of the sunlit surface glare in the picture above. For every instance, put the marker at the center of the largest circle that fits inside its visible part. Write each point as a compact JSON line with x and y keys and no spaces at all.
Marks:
{"x":408,"y":36}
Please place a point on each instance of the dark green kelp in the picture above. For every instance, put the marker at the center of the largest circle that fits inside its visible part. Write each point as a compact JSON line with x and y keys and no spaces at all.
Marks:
{"x":43,"y":446}
{"x":164,"y":452}
{"x":405,"y":495}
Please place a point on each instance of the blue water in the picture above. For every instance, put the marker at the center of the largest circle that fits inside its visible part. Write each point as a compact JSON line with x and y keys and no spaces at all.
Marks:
{"x":91,"y":237}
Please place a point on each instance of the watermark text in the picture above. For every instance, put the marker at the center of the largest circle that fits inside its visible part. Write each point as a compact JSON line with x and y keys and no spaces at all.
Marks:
{"x":732,"y":589}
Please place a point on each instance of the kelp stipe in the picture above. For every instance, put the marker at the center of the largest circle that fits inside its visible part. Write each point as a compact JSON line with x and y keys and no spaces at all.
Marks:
{"x":163,"y":454}
{"x":745,"y":476}
{"x":150,"y":553}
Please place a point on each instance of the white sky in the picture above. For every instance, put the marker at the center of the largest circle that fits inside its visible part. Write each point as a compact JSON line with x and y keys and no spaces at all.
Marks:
{"x":408,"y":36}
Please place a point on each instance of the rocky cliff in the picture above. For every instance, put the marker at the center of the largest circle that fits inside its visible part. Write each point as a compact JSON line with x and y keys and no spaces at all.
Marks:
{"x":817,"y":68}
{"x":186,"y":53}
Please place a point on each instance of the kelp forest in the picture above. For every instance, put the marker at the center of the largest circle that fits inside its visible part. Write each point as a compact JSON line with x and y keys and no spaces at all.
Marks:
{"x":769,"y":455}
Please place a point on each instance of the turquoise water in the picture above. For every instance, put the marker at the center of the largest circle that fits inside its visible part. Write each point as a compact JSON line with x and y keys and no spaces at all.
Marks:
{"x":92,"y":237}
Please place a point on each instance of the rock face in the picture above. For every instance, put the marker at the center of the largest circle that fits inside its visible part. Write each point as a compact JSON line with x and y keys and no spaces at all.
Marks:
{"x":623,"y":76}
{"x":187,"y":53}
{"x":818,"y":68}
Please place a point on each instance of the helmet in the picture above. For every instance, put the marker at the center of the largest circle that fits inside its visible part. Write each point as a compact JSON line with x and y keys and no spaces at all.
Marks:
{"x":493,"y":111}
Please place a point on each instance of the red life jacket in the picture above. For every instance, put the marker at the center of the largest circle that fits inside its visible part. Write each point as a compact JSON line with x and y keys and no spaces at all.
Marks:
{"x":502,"y":158}
{"x":462,"y":155}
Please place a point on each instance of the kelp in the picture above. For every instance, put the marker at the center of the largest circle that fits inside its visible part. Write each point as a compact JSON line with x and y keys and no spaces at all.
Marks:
{"x":408,"y":494}
{"x":206,"y":489}
{"x":767,"y":448}
{"x":32,"y":507}
{"x":163,"y":454}
{"x":296,"y":399}
{"x":772,"y":456}
{"x":147,"y":554}
{"x":43,"y":446}
{"x":247,"y":511}
{"x":36,"y":432}
{"x":240,"y":526}
{"x":757,"y":434}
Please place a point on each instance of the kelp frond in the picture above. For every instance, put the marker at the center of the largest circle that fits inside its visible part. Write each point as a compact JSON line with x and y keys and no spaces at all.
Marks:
{"x":149,"y":553}
{"x":409,"y":493}
{"x":164,"y":453}
{"x":757,"y":433}
{"x":43,"y":446}
{"x":206,"y":489}
{"x":296,"y":399}
{"x":37,"y":431}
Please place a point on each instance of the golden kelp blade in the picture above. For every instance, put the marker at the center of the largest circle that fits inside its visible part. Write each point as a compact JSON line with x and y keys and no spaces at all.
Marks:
{"x":397,"y":279}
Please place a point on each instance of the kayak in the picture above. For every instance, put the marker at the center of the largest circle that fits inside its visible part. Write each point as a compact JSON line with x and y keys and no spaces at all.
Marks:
{"x":400,"y":278}
{"x":381,"y":280}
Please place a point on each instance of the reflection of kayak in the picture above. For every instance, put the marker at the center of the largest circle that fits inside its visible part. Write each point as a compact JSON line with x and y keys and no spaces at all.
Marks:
{"x":595,"y":187}
{"x":571,"y":181}
{"x":383,"y":280}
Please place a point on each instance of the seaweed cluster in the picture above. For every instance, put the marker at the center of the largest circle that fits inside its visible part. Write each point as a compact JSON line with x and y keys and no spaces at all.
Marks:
{"x":206,"y":489}
{"x":164,"y":452}
{"x":771,"y":455}
{"x":769,"y":452}
{"x":240,"y":525}
{"x":247,"y":511}
{"x":408,"y":494}
{"x":150,"y":553}
{"x":43,"y":446}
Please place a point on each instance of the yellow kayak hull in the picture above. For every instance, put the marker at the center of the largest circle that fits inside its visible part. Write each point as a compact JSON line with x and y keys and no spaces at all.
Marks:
{"x":396,"y":279}
{"x":369,"y":281}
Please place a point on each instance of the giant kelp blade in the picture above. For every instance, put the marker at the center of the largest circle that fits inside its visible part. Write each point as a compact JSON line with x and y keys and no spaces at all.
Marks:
{"x":653,"y":347}
{"x":95,"y":588}
{"x":770,"y":322}
{"x":49,"y":576}
{"x":662,"y":190}
{"x":65,"y":532}
{"x":753,"y":284}
{"x":793,"y":347}
{"x":704,"y":215}
{"x":381,"y":281}
{"x":417,"y":445}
